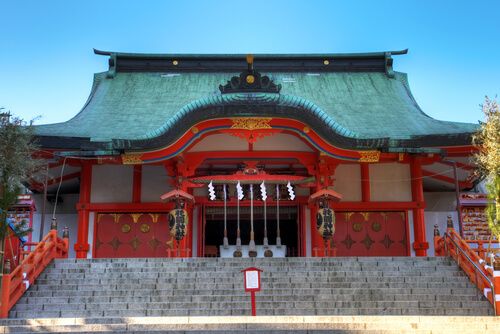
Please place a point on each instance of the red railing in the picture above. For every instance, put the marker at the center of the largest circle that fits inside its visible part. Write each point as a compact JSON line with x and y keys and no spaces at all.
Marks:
{"x":476,"y":268}
{"x":14,"y":284}
{"x":325,"y":252}
{"x":179,"y":252}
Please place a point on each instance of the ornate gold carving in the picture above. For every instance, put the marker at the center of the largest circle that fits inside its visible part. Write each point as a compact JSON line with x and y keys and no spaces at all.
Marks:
{"x":326,"y":62}
{"x":251,"y":123}
{"x":126,"y":228}
{"x":386,"y":215}
{"x":175,"y":62}
{"x":369,"y":156}
{"x":306,"y":129}
{"x":366,"y":215}
{"x":367,"y":241}
{"x":154,"y":216}
{"x":401,"y":156}
{"x":348,"y":215}
{"x":99,"y":215}
{"x":145,"y":228}
{"x":403,"y":215}
{"x":136,"y":216}
{"x":387,"y":241}
{"x":194,"y":130}
{"x":134,"y":243}
{"x":116,"y":217}
{"x":376,"y":227}
{"x":132,"y":159}
{"x":252,"y":137}
{"x":115,"y":243}
{"x":250,"y":79}
{"x":348,"y":241}
{"x":357,"y":226}
{"x":154,"y":243}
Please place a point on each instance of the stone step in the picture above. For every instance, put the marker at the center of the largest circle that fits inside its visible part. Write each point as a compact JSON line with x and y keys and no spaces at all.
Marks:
{"x":259,"y":298}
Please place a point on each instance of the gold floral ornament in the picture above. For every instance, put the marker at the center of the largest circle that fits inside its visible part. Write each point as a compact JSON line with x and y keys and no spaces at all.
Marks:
{"x":145,"y":228}
{"x":369,"y":156}
{"x":126,"y":228}
{"x":251,"y":123}
{"x":376,"y":226}
{"x":357,"y":226}
{"x":132,"y":159}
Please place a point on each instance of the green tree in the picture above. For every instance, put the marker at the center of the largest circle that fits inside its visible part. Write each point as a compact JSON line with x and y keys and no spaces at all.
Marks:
{"x":17,"y":165}
{"x":487,"y":141}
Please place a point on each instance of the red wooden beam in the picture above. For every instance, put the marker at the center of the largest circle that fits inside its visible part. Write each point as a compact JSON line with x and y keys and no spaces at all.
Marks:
{"x":440,"y":177}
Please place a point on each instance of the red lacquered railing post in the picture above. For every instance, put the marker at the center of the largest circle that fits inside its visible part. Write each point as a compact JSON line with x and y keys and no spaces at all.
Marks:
{"x":5,"y":299}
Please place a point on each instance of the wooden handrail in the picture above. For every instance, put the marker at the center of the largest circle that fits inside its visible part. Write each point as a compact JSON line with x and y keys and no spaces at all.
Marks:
{"x":15,"y":284}
{"x":470,"y":262}
{"x":325,"y":252}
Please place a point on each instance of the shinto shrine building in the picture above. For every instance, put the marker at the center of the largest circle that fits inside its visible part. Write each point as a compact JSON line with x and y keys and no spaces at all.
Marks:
{"x":166,"y":131}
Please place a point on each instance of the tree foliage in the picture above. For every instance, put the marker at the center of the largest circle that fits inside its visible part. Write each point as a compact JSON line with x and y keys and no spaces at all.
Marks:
{"x":17,"y":162}
{"x":487,"y":141}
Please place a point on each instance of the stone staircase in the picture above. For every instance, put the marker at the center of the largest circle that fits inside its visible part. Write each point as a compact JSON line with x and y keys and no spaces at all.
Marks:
{"x":207,"y":295}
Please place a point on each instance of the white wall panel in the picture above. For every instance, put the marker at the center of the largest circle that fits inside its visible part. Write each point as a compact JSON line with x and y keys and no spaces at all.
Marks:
{"x":348,"y":182}
{"x":390,"y":182}
{"x":111,"y":184}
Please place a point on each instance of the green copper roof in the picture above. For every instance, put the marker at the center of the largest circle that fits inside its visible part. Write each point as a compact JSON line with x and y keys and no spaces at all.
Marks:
{"x":141,"y":105}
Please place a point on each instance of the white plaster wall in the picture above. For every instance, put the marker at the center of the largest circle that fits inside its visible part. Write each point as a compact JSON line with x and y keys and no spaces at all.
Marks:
{"x":66,"y":215}
{"x":111,"y":184}
{"x":220,"y":142}
{"x":154,"y":183}
{"x":348,"y":182}
{"x":281,"y":142}
{"x":90,"y":239}
{"x":411,"y":233}
{"x":390,"y":182}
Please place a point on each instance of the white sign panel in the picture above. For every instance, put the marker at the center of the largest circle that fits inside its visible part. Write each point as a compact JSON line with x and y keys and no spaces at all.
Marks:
{"x":252,"y":279}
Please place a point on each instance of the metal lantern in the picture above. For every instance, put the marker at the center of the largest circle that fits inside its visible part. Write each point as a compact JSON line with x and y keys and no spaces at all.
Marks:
{"x":325,"y":220}
{"x":178,"y":221}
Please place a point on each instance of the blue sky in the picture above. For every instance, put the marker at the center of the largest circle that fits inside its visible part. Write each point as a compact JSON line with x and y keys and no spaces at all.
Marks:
{"x":47,"y":62}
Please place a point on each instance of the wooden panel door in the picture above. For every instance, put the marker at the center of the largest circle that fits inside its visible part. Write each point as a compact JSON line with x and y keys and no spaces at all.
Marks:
{"x":370,"y":234}
{"x":132,"y":235}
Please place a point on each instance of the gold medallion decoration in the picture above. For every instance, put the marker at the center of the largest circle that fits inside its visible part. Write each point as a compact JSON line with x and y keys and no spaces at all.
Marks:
{"x":369,"y":156}
{"x":132,"y":159}
{"x":326,"y":62}
{"x":251,"y":123}
{"x":126,"y":228}
{"x":357,"y":226}
{"x":376,"y":227}
{"x":194,"y":130}
{"x":175,"y":62}
{"x":250,"y":79}
{"x":306,"y":129}
{"x":145,"y":228}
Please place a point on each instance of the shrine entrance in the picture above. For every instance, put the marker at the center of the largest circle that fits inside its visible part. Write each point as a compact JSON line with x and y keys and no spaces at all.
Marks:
{"x":289,"y":225}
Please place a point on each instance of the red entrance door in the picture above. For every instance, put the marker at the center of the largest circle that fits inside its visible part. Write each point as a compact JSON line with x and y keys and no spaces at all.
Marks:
{"x":370,"y":234}
{"x":132,"y":235}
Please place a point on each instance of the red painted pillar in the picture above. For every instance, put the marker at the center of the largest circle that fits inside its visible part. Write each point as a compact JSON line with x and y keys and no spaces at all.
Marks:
{"x":82,"y":246}
{"x":365,"y":182}
{"x":420,"y":245}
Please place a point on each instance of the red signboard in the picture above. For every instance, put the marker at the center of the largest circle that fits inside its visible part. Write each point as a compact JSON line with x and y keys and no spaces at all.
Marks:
{"x":252,"y":283}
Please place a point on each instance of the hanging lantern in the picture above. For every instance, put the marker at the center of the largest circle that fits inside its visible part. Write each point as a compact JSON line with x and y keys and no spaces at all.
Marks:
{"x":325,"y":216}
{"x":178,"y":221}
{"x":325,"y":220}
